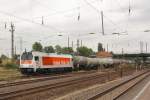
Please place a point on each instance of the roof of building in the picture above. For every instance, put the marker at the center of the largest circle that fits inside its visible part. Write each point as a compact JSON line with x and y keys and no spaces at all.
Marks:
{"x":103,"y":54}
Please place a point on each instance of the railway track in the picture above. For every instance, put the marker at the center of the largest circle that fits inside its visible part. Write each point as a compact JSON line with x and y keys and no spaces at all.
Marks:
{"x":24,"y":92}
{"x":43,"y":78}
{"x":133,"y":85}
{"x":82,"y":77}
{"x":100,"y":95}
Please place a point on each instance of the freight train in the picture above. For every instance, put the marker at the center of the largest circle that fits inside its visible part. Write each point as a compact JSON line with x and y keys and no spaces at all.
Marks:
{"x":31,"y":62}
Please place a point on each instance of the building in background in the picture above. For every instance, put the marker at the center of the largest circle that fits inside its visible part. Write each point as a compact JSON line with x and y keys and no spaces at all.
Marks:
{"x":102,"y":53}
{"x":100,"y":47}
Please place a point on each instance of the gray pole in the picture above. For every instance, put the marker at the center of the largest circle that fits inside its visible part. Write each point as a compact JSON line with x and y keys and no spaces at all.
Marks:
{"x":15,"y":51}
{"x":107,"y":47}
{"x":81,"y":43}
{"x":12,"y":39}
{"x":141,"y":46}
{"x":77,"y":43}
{"x":72,"y":44}
{"x":122,"y":51}
{"x":77,"y":46}
{"x":68,"y":41}
{"x":102,"y":23}
{"x":146,"y":47}
{"x":20,"y":45}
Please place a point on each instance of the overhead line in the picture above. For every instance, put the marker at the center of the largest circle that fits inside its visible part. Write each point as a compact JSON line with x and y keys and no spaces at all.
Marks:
{"x":28,"y":20}
{"x":103,"y":14}
{"x":64,"y":11}
{"x":124,"y":14}
{"x":55,"y":11}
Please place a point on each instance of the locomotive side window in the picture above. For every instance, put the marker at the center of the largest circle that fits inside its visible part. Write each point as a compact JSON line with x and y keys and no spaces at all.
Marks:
{"x":36,"y":58}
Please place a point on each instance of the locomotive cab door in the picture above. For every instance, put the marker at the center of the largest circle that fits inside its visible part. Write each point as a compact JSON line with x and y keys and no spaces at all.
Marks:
{"x":37,"y":63}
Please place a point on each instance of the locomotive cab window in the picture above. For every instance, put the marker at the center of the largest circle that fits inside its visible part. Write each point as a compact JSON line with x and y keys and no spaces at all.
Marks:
{"x":36,"y":58}
{"x":27,"y":56}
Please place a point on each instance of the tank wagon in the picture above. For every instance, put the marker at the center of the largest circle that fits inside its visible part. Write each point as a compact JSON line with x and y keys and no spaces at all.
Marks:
{"x":92,"y":63}
{"x":31,"y":62}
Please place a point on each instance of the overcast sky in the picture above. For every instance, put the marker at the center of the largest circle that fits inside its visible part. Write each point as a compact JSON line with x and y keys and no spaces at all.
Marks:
{"x":61,"y":17}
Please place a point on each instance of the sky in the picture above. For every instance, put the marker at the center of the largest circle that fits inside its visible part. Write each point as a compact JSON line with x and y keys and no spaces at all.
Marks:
{"x":61,"y":17}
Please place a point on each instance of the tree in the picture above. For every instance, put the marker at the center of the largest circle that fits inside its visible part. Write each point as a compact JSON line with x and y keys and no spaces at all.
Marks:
{"x":67,"y":50}
{"x":37,"y":46}
{"x":3,"y":57}
{"x":49,"y":49}
{"x":58,"y":49}
{"x":84,"y":51}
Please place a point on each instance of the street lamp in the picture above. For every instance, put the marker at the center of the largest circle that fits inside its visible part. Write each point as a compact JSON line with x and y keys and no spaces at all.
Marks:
{"x":147,"y":31}
{"x":91,"y":33}
{"x":117,"y":33}
{"x":60,"y":35}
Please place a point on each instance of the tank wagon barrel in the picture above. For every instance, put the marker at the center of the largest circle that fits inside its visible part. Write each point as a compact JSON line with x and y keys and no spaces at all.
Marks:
{"x":85,"y":62}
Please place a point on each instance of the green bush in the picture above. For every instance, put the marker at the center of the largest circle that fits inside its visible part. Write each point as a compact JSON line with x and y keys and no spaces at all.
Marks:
{"x":11,"y":64}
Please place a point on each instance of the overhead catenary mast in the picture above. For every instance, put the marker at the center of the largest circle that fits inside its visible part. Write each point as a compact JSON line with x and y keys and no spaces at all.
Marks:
{"x":68,"y":41}
{"x":79,"y":14}
{"x":21,"y":45}
{"x":102,"y":18}
{"x":107,"y":47}
{"x":42,"y":20}
{"x":141,"y":47}
{"x":102,"y":23}
{"x":12,"y":39}
{"x":129,"y":7}
{"x":99,"y":12}
{"x":5,"y":25}
{"x":72,"y":44}
{"x":81,"y":43}
{"x":146,"y":47}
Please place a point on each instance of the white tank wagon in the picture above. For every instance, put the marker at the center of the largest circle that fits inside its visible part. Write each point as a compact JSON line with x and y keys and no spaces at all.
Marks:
{"x":92,"y":63}
{"x":106,"y":62}
{"x":118,"y":61}
{"x":87,"y":63}
{"x":80,"y":62}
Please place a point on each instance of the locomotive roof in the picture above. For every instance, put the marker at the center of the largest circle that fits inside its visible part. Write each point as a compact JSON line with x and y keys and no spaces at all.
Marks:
{"x":51,"y":54}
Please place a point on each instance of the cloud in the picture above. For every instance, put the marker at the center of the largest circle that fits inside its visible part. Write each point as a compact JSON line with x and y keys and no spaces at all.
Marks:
{"x":60,"y":17}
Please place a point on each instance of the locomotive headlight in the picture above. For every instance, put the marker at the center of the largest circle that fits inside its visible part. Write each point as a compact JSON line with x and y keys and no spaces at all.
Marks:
{"x":30,"y":65}
{"x":21,"y":66}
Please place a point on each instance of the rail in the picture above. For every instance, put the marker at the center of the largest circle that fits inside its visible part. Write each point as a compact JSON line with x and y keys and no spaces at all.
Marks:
{"x":24,"y":92}
{"x":115,"y":87}
{"x":43,"y":78}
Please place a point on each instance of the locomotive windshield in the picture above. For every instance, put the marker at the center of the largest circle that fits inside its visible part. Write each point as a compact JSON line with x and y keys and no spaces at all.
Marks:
{"x":27,"y":56}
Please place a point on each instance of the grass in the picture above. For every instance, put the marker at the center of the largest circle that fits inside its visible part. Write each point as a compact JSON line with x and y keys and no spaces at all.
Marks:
{"x":9,"y":74}
{"x":9,"y":70}
{"x":10,"y":64}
